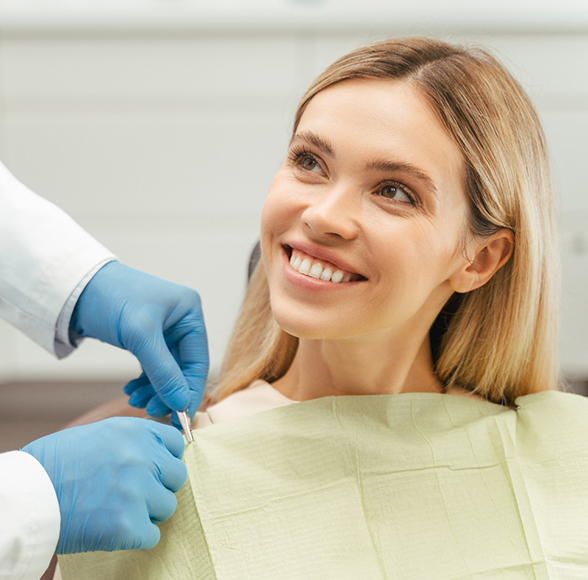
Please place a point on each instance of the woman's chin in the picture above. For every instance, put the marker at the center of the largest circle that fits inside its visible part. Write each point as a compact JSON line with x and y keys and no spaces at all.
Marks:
{"x":308,"y":330}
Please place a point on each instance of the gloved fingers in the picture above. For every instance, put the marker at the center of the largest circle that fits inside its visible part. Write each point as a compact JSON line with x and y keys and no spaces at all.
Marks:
{"x":141,"y":393}
{"x":169,"y":469}
{"x":135,"y":384}
{"x":175,"y":422}
{"x":194,"y":362}
{"x":193,"y":407}
{"x":142,"y":396}
{"x":128,"y":529}
{"x":172,"y":473}
{"x":171,"y":439}
{"x":134,"y":530}
{"x":162,"y":504}
{"x":163,"y":372}
{"x":175,"y":350}
{"x":150,"y":537}
{"x":156,"y":407}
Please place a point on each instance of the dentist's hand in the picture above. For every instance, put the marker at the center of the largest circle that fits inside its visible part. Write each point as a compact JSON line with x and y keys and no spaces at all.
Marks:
{"x":113,"y":479}
{"x":161,"y":323}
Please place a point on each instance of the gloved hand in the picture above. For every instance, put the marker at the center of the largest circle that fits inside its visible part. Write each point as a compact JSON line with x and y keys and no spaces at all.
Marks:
{"x":161,"y":323}
{"x":113,"y":479}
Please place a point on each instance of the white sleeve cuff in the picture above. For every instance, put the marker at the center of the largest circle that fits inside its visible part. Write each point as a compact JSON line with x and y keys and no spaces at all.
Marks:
{"x":29,"y":527}
{"x":63,"y":345}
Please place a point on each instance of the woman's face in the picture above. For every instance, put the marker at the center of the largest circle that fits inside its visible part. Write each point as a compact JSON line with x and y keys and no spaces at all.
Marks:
{"x":363,"y":224}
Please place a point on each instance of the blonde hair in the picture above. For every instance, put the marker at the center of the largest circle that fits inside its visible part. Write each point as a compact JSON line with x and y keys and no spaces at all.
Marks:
{"x":500,"y":340}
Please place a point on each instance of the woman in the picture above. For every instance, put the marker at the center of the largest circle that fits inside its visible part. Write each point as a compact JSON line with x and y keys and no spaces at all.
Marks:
{"x":408,"y":254}
{"x":439,"y":165}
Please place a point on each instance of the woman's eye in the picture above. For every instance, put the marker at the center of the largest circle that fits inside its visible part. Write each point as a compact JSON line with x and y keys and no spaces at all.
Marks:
{"x":309,"y":164}
{"x":396,"y":192}
{"x":302,"y":159}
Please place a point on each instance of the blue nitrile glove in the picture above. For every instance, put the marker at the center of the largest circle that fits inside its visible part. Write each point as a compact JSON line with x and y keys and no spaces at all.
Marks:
{"x":113,"y":479}
{"x":161,"y":323}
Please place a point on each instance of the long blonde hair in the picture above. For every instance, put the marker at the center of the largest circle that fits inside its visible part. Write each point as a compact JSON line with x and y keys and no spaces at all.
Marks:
{"x":500,"y":340}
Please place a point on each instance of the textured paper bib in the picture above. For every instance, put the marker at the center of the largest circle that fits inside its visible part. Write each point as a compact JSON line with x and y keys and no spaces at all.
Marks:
{"x":411,"y":486}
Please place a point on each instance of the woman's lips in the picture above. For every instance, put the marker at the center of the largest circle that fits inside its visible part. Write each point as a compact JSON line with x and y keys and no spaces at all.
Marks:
{"x":319,"y":268}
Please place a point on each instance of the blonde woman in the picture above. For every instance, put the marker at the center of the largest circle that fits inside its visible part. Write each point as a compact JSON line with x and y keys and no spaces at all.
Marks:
{"x":404,"y":318}
{"x":419,"y":171}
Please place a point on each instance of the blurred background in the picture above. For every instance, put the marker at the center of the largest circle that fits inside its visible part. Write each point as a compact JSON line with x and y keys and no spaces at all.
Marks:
{"x":158,"y":126}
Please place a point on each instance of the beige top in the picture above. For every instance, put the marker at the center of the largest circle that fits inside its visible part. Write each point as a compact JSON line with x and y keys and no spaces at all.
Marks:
{"x":260,"y":396}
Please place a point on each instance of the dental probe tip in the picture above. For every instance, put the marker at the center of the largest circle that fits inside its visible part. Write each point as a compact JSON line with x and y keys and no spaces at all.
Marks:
{"x":185,"y":422}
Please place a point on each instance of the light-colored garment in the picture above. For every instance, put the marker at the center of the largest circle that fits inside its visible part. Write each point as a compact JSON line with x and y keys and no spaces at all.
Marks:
{"x":259,"y":396}
{"x":408,"y":486}
{"x":30,"y":517}
{"x":44,"y":255}
{"x":45,"y":261}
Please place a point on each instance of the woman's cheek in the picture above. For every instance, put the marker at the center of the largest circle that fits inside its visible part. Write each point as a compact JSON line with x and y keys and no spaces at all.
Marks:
{"x":278,"y":212}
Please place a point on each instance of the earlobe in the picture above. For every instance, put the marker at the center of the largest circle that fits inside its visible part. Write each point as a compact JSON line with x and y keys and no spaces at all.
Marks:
{"x":490,"y":256}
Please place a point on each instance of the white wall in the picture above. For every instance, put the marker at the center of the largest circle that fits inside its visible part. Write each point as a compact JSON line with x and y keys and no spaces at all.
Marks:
{"x":162,"y":141}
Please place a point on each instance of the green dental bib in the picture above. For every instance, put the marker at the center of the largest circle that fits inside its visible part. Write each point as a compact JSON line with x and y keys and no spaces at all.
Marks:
{"x":412,"y":486}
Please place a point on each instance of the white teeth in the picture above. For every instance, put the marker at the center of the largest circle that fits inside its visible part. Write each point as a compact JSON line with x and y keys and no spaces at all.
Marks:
{"x":304,"y":268}
{"x":295,"y":261}
{"x":337,"y":277}
{"x":316,"y":270}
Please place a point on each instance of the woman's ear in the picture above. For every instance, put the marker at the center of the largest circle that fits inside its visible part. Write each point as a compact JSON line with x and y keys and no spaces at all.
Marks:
{"x":490,"y":255}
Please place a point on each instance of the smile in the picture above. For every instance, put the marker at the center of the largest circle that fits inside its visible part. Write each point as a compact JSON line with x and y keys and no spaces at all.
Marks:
{"x":320,"y":269}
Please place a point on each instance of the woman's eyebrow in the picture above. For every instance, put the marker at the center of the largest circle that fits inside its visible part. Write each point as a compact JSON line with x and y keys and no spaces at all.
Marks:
{"x":393,"y":166}
{"x":319,"y":142}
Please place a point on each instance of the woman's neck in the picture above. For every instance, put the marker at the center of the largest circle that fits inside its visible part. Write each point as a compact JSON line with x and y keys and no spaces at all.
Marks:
{"x":366,"y":366}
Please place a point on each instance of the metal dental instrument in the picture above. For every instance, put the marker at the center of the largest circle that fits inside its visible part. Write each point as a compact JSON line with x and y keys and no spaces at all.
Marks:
{"x":185,"y":422}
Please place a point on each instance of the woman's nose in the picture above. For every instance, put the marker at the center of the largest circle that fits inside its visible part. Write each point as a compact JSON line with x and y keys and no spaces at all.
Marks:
{"x":333,"y":212}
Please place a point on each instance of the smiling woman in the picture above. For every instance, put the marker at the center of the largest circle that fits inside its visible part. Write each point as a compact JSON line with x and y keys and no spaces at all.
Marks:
{"x":401,"y":331}
{"x":408,"y":239}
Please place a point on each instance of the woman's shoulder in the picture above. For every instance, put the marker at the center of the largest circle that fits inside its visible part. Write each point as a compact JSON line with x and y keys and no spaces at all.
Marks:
{"x":551,"y":402}
{"x":259,"y":396}
{"x":551,"y":423}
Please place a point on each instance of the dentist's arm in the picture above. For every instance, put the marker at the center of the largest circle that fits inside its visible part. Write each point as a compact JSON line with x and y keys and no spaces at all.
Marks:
{"x":44,"y":255}
{"x":53,"y":277}
{"x":54,"y":280}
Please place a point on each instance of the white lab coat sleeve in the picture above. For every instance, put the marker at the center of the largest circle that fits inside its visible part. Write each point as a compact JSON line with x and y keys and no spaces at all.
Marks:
{"x":44,"y":255}
{"x":63,"y":344}
{"x":30,"y":520}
